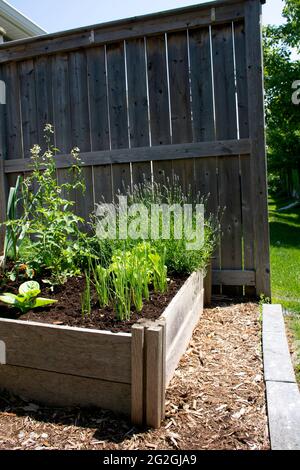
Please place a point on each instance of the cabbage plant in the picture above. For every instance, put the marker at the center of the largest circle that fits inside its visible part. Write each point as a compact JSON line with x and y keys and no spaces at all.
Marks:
{"x":27,"y":298}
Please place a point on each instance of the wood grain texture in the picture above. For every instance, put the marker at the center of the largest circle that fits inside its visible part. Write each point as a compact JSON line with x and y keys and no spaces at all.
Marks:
{"x":74,"y":351}
{"x":65,"y":390}
{"x":258,"y":154}
{"x":158,"y":90}
{"x":162,"y":153}
{"x":137,"y":93}
{"x":233,"y":277}
{"x":179,"y":88}
{"x":154,"y":376}
{"x":98,"y":99}
{"x":137,"y":374}
{"x":172,"y":20}
{"x":180,"y":305}
{"x":117,"y":96}
{"x":201,"y":83}
{"x":184,"y":332}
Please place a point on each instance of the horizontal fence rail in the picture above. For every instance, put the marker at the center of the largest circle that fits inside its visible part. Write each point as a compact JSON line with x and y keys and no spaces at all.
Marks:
{"x":175,"y":93}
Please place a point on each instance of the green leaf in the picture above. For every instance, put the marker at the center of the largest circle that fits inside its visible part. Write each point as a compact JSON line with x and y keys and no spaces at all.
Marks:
{"x":31,"y":288}
{"x":40,"y":302}
{"x":10,"y":299}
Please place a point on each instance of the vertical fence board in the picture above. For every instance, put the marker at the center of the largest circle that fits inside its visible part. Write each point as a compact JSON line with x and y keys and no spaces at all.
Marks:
{"x":141,"y":172}
{"x":13,"y":112}
{"x":258,"y":156}
{"x":201,"y":81}
{"x":121,"y":178}
{"x":154,"y":376}
{"x":80,"y":129}
{"x":117,"y":95}
{"x":137,"y":374}
{"x":179,"y":88}
{"x":61,"y":103}
{"x":245,"y":168}
{"x":137,"y":93}
{"x":103,"y":183}
{"x":28,"y":105}
{"x":98,"y":100}
{"x":158,"y":91}
{"x":43,"y":86}
{"x":228,"y":168}
{"x":206,"y":183}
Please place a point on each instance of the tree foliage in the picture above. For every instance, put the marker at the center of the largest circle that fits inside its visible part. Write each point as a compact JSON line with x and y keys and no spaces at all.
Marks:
{"x":282,"y":116}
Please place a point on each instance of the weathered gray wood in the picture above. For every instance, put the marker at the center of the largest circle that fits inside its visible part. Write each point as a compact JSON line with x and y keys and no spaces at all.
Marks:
{"x":226,"y":127}
{"x":117,"y":96}
{"x":224,"y":84}
{"x":231,"y":226}
{"x":207,"y":283}
{"x":44,"y":103}
{"x":258,"y":154}
{"x":245,"y":169}
{"x":61,"y":103}
{"x":206,"y":183}
{"x":103,"y":183}
{"x":121,"y":178}
{"x":141,"y":172}
{"x":184,"y":332}
{"x":179,"y":88}
{"x":13,"y":111}
{"x":181,"y":305}
{"x":66,"y":350}
{"x":154,"y":376}
{"x":233,"y":277}
{"x":80,"y":125}
{"x":98,"y":100}
{"x":163,"y":153}
{"x":283,"y":400}
{"x":137,"y":374}
{"x":65,"y":390}
{"x":28,"y":106}
{"x":194,"y":16}
{"x":158,"y":90}
{"x":201,"y":82}
{"x":85,"y":203}
{"x":137,"y":93}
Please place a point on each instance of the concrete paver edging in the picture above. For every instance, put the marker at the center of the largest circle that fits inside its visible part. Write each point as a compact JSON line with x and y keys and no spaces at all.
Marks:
{"x":283,"y":396}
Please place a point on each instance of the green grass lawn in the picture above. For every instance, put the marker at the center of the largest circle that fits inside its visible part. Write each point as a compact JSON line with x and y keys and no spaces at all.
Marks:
{"x":285,"y":260}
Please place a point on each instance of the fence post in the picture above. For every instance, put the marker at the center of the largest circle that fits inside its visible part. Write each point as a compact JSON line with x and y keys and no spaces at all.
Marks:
{"x":155,"y":383}
{"x":254,"y":58}
{"x":137,"y":374}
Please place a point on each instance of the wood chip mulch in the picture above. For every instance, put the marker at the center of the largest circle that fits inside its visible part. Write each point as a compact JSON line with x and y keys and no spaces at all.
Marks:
{"x":215,"y":401}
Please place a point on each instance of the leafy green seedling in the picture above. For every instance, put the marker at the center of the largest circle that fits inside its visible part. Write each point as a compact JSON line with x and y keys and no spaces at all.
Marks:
{"x":27,"y":298}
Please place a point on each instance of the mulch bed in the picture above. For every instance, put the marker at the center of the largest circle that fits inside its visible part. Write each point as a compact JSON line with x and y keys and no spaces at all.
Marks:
{"x":215,"y":401}
{"x":68,"y":310}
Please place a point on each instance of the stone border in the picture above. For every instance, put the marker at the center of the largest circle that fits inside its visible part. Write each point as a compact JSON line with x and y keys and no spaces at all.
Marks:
{"x":283,"y":396}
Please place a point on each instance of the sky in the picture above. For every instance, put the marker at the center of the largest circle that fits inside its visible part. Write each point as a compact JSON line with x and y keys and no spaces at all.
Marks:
{"x":57,"y":15}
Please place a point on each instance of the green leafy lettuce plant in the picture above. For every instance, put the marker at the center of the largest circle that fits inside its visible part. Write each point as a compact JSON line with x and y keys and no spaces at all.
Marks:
{"x":27,"y":298}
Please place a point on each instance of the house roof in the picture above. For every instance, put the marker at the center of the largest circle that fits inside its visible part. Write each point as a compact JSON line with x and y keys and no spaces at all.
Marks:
{"x":17,"y":25}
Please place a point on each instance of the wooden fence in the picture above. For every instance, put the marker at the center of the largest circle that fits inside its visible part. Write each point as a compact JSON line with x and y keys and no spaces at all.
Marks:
{"x":178,"y":92}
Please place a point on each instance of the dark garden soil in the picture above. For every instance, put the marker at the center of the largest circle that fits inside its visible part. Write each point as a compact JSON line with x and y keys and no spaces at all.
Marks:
{"x":216,"y":399}
{"x":68,"y":311}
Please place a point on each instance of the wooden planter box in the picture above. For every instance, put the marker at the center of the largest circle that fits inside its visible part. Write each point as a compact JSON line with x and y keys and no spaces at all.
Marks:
{"x":124,"y":372}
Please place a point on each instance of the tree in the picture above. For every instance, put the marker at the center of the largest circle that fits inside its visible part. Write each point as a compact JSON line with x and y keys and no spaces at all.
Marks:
{"x":282,"y":116}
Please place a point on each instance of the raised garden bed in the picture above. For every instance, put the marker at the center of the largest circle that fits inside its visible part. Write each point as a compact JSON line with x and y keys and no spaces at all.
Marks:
{"x":123,"y":372}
